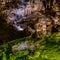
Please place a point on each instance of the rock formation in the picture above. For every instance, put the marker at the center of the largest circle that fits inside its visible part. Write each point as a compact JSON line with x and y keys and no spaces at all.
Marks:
{"x":35,"y":17}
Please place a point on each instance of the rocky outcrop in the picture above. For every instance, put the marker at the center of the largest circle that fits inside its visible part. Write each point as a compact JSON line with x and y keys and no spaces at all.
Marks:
{"x":37,"y":21}
{"x":39,"y":24}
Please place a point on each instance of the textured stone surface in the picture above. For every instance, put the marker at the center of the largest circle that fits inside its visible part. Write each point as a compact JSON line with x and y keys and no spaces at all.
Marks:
{"x":40,"y":23}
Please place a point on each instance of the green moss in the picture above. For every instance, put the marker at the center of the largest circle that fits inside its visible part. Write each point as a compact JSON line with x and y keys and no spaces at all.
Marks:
{"x":47,"y":48}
